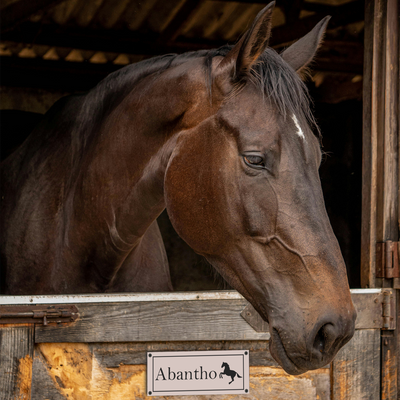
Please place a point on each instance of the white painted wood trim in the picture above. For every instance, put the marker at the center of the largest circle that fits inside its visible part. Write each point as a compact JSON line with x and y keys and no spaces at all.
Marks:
{"x":119,"y":297}
{"x":366,"y":291}
{"x":135,"y":297}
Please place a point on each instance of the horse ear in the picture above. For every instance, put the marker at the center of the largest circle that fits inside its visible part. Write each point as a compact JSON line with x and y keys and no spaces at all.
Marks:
{"x":251,"y":45}
{"x":300,"y":54}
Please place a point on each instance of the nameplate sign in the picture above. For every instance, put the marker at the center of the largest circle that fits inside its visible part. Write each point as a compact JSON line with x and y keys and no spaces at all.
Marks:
{"x":179,"y":373}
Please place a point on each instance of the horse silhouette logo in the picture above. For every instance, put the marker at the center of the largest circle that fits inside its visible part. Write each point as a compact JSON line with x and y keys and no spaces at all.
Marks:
{"x":229,"y":372}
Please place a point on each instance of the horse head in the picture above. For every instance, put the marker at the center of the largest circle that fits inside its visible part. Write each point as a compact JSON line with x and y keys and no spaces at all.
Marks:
{"x":242,"y":189}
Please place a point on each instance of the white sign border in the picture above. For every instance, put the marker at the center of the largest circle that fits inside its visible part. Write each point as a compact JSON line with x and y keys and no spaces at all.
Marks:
{"x":246,"y":372}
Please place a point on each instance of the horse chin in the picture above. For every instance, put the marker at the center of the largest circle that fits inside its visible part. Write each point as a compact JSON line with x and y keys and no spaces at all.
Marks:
{"x":278,"y":351}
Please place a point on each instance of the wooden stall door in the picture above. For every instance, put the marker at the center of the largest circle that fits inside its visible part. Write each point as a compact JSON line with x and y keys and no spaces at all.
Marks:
{"x":102,"y":355}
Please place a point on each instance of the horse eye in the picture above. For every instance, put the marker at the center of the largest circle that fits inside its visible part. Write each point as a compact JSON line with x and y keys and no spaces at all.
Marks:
{"x":254,"y":160}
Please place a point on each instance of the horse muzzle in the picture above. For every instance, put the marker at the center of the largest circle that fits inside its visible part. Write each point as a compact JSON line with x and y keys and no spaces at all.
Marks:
{"x":322,"y":343}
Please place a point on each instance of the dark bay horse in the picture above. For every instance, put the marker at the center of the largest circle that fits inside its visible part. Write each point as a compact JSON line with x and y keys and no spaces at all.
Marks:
{"x":222,"y":139}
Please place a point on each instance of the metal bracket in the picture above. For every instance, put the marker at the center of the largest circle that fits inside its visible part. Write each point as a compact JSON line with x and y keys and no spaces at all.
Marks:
{"x":253,"y":318}
{"x":38,"y":314}
{"x":387,"y":259}
{"x":389,"y":310}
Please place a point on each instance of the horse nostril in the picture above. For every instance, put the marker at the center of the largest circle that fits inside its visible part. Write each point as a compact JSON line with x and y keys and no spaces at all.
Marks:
{"x":325,"y":338}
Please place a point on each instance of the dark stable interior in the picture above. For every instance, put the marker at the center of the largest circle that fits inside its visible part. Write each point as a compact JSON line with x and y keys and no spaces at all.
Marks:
{"x":51,"y":50}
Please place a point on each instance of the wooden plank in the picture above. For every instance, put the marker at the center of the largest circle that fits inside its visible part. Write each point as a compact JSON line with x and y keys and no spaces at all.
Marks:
{"x":389,"y":339}
{"x":189,"y":320}
{"x":391,"y":172}
{"x":112,"y":355}
{"x":356,"y":369}
{"x":83,"y":371}
{"x":389,"y":366}
{"x":43,"y":386}
{"x":398,"y":340}
{"x":372,"y":229}
{"x":158,"y":321}
{"x":16,"y":355}
{"x":133,"y":297}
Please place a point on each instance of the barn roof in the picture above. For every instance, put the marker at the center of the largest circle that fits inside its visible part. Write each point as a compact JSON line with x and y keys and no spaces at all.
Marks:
{"x":55,"y":43}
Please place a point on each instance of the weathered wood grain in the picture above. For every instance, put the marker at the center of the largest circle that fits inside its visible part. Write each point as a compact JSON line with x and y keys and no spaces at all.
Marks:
{"x":155,"y":321}
{"x":369,"y":177}
{"x":83,"y":371}
{"x":186,"y":320}
{"x":43,"y":386}
{"x":377,"y":129}
{"x":391,"y":172}
{"x":389,"y":366}
{"x":112,"y":355}
{"x":16,"y":354}
{"x":356,"y":369}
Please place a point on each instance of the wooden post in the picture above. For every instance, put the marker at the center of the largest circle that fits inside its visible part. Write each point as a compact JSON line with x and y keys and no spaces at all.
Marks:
{"x":16,"y":355}
{"x":380,"y":207}
{"x":380,"y":218}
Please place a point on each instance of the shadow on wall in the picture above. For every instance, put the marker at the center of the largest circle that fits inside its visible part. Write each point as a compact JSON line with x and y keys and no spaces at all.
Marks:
{"x":341,"y":177}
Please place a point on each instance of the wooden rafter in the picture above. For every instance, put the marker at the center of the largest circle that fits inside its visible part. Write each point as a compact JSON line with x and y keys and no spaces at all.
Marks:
{"x":341,"y":15}
{"x":182,"y":17}
{"x":73,"y":76}
{"x":151,"y":44}
{"x":13,"y":13}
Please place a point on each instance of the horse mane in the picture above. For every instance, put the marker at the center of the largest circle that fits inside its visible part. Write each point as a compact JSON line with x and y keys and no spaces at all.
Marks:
{"x":277,"y":81}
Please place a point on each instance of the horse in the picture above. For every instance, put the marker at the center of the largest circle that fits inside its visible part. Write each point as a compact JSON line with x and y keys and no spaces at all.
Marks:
{"x":229,"y":372}
{"x":224,"y":139}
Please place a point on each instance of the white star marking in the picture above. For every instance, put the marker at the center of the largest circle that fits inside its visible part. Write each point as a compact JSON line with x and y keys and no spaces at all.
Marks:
{"x":299,"y":130}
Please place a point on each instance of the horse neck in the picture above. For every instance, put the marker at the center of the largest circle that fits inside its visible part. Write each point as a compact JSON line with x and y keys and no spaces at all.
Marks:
{"x":128,"y":161}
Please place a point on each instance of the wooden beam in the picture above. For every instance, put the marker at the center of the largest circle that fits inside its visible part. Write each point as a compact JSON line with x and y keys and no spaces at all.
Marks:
{"x":341,"y":15}
{"x":373,"y":46}
{"x":78,"y":76}
{"x":101,"y":40}
{"x":155,"y":321}
{"x":182,"y":17}
{"x":323,"y":9}
{"x":48,"y":74}
{"x":12,"y":13}
{"x":169,"y":41}
{"x":165,"y":320}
